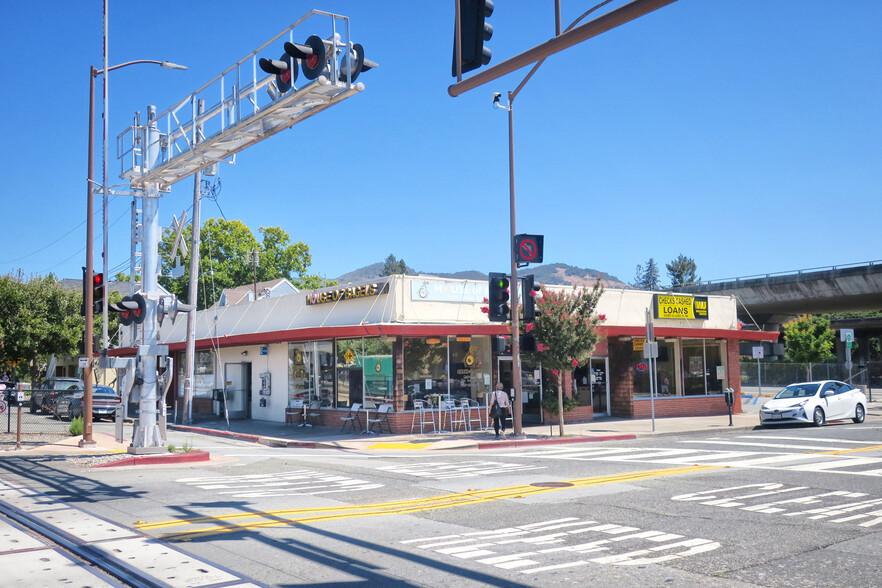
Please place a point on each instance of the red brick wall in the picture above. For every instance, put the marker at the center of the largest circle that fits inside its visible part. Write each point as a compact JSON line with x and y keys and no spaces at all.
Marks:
{"x":681,"y":406}
{"x":580,"y":414}
{"x":733,"y":372}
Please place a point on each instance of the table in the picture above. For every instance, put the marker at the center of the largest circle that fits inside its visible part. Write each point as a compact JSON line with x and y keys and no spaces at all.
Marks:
{"x":367,"y":419}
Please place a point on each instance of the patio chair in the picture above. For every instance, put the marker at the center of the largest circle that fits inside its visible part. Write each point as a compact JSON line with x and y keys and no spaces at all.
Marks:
{"x":313,"y":413}
{"x":472,"y":410}
{"x":421,"y":411}
{"x":295,"y":407}
{"x":352,"y":418}
{"x":381,"y":418}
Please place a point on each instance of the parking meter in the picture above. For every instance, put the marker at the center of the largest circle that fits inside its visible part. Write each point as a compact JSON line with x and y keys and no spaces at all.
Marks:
{"x":729,"y":394}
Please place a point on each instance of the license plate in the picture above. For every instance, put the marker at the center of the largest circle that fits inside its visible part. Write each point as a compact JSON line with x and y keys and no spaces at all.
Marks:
{"x":776,"y":416}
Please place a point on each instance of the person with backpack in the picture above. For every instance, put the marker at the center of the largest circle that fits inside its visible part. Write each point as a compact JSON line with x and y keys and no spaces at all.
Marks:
{"x":499,"y":409}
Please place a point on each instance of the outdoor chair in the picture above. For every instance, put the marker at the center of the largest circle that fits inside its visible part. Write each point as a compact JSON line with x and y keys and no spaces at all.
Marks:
{"x":421,"y":411}
{"x":352,"y":418}
{"x":381,"y":418}
{"x":456,"y":414}
{"x":295,"y":407}
{"x":313,"y":413}
{"x":472,"y":410}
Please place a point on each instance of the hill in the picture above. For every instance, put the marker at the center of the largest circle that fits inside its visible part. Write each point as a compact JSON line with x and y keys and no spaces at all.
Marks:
{"x":552,"y":273}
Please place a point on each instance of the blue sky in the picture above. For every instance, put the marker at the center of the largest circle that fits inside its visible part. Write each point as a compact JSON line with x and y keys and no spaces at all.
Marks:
{"x":745,"y":134}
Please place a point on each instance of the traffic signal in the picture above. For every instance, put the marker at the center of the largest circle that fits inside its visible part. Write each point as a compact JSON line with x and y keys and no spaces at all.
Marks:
{"x":310,"y":56}
{"x":473,"y":31}
{"x":498,"y":299}
{"x":530,"y":290}
{"x":132,"y":309}
{"x":171,"y":306}
{"x":97,"y":293}
{"x":528,"y":344}
{"x":359,"y":63}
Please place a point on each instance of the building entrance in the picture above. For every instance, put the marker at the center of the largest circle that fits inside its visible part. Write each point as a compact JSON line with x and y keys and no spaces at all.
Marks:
{"x":531,"y":389}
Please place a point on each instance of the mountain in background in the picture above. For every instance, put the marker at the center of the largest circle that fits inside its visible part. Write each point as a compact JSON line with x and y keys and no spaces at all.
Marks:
{"x":552,"y":273}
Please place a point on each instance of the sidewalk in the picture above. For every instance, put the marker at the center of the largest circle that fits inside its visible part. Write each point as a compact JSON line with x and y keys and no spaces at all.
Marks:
{"x":281,"y":435}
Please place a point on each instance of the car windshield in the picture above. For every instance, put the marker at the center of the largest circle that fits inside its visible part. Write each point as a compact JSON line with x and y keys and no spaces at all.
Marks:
{"x":798,"y":391}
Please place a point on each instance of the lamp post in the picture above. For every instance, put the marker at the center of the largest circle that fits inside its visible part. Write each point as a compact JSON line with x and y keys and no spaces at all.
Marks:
{"x":88,"y":302}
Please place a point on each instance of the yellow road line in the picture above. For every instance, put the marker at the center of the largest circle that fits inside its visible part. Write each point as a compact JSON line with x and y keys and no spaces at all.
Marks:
{"x":838,"y":451}
{"x":229,"y":523}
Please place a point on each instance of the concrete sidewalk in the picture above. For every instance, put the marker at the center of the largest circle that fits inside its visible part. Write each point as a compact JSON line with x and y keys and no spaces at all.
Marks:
{"x":281,"y":435}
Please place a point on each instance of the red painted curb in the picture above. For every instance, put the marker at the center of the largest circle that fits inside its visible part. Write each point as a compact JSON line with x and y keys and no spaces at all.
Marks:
{"x":154,"y":459}
{"x":557,"y":441}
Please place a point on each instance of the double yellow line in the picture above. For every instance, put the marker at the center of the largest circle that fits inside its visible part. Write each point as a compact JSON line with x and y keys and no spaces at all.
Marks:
{"x":260,"y":520}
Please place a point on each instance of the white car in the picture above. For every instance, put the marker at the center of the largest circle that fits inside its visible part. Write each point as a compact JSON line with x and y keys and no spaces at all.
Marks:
{"x":815,"y":402}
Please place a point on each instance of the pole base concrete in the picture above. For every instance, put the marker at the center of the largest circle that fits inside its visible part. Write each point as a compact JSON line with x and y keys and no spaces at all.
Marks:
{"x":146,"y":450}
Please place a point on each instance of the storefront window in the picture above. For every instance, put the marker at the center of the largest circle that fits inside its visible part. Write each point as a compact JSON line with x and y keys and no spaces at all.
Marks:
{"x":311,"y":372}
{"x":665,"y":365}
{"x":203,"y":377}
{"x":469,"y":367}
{"x":425,"y":369}
{"x":701,"y":358}
{"x":364,"y":371}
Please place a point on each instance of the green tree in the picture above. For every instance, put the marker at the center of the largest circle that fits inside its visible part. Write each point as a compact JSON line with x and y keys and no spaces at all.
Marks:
{"x":392,"y":267}
{"x":225,"y":260}
{"x":646,"y":277}
{"x":809,"y":339}
{"x":39,"y":319}
{"x":682,"y":271}
{"x":566,"y":333}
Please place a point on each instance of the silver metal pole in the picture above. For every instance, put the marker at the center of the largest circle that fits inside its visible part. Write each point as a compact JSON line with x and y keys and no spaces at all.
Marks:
{"x":517,"y":409}
{"x":105,"y":341}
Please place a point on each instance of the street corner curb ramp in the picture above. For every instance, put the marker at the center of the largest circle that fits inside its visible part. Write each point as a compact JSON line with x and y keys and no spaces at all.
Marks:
{"x":157,"y":459}
{"x":263,"y":440}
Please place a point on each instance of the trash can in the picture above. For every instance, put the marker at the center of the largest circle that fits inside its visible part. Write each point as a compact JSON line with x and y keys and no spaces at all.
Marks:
{"x":218,"y":401}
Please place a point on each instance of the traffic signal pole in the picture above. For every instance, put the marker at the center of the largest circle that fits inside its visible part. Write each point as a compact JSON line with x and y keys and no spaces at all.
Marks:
{"x":517,"y":409}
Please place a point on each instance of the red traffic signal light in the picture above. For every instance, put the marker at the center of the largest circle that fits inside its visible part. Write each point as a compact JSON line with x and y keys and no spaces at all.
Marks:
{"x":132,"y":309}
{"x":97,"y":292}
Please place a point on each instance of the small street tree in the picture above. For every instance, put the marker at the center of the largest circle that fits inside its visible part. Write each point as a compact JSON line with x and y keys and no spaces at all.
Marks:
{"x":809,"y":339}
{"x":565,"y":329}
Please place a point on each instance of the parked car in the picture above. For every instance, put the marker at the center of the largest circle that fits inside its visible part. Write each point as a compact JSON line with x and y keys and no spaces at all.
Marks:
{"x":105,"y":401}
{"x":43,"y":397}
{"x":816,"y":403}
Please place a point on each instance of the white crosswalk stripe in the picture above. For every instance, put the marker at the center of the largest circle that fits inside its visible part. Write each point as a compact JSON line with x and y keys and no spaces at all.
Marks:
{"x":296,"y":483}
{"x":813,"y":455}
{"x":467,"y":469}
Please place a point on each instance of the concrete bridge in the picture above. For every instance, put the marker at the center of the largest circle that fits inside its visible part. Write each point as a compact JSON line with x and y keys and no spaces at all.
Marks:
{"x":776,"y":298}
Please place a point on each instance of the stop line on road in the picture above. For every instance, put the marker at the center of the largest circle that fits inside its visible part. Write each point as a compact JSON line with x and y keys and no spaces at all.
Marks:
{"x":561,"y":543}
{"x":837,"y":456}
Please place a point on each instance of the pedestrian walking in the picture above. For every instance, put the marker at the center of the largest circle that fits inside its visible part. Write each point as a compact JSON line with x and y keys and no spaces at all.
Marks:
{"x":499,"y":408}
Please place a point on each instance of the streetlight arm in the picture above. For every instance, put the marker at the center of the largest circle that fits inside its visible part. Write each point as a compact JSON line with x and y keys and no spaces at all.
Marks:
{"x":162,"y":64}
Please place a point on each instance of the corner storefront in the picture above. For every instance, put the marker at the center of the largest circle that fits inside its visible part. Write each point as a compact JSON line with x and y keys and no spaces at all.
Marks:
{"x":403,"y":339}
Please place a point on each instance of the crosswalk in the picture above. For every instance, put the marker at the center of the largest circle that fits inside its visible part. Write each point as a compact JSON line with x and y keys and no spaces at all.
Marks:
{"x":439,"y":470}
{"x":836,"y":456}
{"x":294,"y":483}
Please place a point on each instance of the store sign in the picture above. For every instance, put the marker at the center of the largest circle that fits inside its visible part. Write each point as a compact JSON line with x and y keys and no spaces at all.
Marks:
{"x":348,"y":293}
{"x":638,"y":342}
{"x":642,"y":367}
{"x":434,"y":291}
{"x":678,"y":306}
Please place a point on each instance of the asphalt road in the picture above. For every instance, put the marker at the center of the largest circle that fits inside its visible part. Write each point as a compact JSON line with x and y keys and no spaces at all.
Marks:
{"x":792,"y":506}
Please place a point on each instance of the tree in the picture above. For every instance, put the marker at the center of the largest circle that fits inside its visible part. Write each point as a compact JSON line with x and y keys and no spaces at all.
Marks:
{"x":682,"y":271}
{"x":809,"y":339}
{"x":225,"y":260}
{"x":565,"y":329}
{"x":646,"y":278}
{"x":392,"y":266}
{"x":39,"y":319}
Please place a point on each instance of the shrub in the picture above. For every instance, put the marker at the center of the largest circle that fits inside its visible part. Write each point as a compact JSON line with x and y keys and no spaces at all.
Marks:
{"x":76,"y":426}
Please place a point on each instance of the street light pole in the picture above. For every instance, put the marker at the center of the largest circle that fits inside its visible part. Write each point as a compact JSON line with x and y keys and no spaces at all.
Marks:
{"x":88,"y":293}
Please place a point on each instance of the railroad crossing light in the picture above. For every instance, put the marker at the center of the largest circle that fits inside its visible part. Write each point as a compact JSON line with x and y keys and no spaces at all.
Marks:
{"x":171,"y":306}
{"x":498,"y":310}
{"x":97,"y":293}
{"x":285,"y":70}
{"x":473,"y":31}
{"x":359,"y":63}
{"x":131,"y":309}
{"x":530,"y":290}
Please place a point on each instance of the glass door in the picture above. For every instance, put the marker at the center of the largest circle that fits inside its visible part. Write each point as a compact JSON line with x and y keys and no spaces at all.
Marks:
{"x":600,"y":386}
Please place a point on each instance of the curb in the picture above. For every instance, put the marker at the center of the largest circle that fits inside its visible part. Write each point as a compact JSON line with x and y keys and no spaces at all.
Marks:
{"x":262,"y":440}
{"x":163,"y":459}
{"x":554,"y":441}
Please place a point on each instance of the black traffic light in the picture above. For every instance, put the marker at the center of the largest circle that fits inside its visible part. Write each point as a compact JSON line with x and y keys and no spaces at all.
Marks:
{"x":528,"y":344}
{"x":473,"y":31}
{"x":97,"y":293}
{"x":311,"y":56}
{"x":530,"y":290}
{"x":132,"y":309}
{"x":498,"y":307}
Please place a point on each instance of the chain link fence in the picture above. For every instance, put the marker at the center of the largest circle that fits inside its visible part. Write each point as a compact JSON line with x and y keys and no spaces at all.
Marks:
{"x":773,"y":375}
{"x":21,"y":427}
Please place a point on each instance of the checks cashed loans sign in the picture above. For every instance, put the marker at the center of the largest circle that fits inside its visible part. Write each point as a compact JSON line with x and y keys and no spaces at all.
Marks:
{"x":679,"y":306}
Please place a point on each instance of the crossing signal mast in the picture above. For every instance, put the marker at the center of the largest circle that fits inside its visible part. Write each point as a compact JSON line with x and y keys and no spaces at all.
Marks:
{"x":258,"y":98}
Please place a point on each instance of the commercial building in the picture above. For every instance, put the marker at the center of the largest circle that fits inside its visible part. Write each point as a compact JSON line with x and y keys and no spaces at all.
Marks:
{"x":402,"y":339}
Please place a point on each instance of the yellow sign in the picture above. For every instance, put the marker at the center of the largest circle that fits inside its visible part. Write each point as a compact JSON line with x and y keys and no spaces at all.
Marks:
{"x":638,"y":342}
{"x":674,"y":306}
{"x":349,"y":356}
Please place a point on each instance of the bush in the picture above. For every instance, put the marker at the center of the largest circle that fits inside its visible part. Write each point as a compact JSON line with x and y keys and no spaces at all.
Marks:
{"x":76,"y":426}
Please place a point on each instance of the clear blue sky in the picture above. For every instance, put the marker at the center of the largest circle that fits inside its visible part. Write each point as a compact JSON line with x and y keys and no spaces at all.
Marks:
{"x":745,"y":134}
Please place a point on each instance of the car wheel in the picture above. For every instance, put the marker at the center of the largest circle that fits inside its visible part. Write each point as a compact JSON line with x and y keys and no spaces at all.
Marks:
{"x":33,"y":407}
{"x":70,"y":415}
{"x":819,"y":416}
{"x":859,"y":414}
